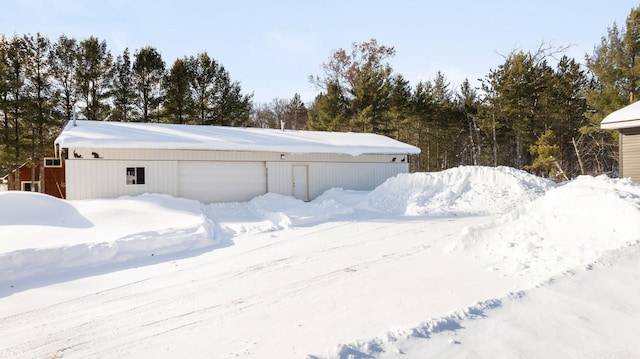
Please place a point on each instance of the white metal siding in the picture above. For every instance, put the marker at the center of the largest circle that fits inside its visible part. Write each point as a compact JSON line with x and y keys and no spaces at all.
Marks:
{"x":100,"y":178}
{"x":325,"y":175}
{"x":211,"y":181}
{"x":232,"y":156}
{"x":630,"y":156}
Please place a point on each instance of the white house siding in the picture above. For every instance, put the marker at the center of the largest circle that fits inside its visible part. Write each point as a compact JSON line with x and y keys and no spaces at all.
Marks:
{"x":218,"y":181}
{"x":103,"y":178}
{"x":630,"y":154}
{"x":325,"y":175}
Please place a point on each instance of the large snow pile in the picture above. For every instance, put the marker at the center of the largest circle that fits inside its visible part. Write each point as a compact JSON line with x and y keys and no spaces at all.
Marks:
{"x":466,"y":190}
{"x":569,"y":227}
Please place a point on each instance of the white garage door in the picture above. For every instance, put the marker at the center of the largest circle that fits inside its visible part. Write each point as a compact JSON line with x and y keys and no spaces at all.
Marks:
{"x":222,"y":181}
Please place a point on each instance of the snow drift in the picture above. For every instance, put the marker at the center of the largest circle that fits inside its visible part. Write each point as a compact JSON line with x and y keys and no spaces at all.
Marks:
{"x":569,"y":227}
{"x":46,"y":236}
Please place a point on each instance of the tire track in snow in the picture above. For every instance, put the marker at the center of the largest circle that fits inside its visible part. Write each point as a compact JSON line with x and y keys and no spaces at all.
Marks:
{"x":209,"y":295}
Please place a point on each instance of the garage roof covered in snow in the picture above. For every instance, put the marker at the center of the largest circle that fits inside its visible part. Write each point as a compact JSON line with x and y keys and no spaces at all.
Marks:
{"x":135,"y":135}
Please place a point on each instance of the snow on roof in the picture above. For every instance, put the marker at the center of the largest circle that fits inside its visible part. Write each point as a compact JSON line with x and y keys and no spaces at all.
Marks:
{"x":625,"y":117}
{"x":135,"y":135}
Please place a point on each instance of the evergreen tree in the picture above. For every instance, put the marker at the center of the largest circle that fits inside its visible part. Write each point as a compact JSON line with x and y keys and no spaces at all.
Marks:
{"x":331,"y":109}
{"x":423,"y":104}
{"x":178,"y":103}
{"x":370,"y":101}
{"x":14,"y":101}
{"x":545,"y":152}
{"x":148,"y":70}
{"x":569,"y":107}
{"x":232,"y":108}
{"x":64,"y":64}
{"x":94,"y":74}
{"x":296,"y":113}
{"x":5,"y":90}
{"x":124,"y":95}
{"x":203,"y":74}
{"x":39,"y":108}
{"x":615,"y":63}
{"x":468,"y":103}
{"x":399,"y":109}
{"x":519,"y":89}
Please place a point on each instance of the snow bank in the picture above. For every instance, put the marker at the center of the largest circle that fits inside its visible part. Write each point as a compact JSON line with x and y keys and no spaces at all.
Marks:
{"x":30,"y":208}
{"x":464,"y":191}
{"x":43,"y":235}
{"x":569,"y":227}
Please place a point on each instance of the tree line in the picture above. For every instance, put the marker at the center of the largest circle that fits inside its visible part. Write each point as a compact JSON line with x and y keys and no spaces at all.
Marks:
{"x":43,"y":83}
{"x":539,"y":110}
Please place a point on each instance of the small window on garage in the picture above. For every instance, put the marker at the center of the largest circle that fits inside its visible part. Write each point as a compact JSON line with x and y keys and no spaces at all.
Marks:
{"x":135,"y":175}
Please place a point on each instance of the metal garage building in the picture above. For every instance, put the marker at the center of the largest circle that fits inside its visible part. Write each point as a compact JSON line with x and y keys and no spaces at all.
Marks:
{"x":221,"y":164}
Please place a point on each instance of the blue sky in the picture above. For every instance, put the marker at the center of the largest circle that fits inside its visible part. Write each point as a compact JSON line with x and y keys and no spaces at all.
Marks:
{"x":271,"y":47}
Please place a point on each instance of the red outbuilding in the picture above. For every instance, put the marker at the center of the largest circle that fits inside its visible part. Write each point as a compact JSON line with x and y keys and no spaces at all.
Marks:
{"x":27,"y":178}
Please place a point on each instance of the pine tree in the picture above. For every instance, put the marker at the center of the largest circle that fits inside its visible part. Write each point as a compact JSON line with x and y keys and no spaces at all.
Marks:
{"x":203,"y":74}
{"x":39,"y":107}
{"x":568,"y":106}
{"x":94,"y":74}
{"x":399,"y":108}
{"x":5,"y":89}
{"x":423,"y":109}
{"x":370,"y":103}
{"x":545,"y":152}
{"x":232,"y":108}
{"x":124,"y":95}
{"x":330,"y":110}
{"x":178,"y":102}
{"x":64,"y":63}
{"x":296,"y":113}
{"x":14,"y":102}
{"x":149,"y":71}
{"x":468,"y":104}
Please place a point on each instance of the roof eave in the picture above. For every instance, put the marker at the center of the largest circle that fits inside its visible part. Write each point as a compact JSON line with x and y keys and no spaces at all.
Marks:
{"x":617,"y":125}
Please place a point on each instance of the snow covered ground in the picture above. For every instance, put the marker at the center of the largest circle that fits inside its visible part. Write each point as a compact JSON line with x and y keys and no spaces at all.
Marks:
{"x":468,"y":262}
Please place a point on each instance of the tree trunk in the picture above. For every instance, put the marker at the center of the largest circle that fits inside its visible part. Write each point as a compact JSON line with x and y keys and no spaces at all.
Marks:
{"x":575,"y":147}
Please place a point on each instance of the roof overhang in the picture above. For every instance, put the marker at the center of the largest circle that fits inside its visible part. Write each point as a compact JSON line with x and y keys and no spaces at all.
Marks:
{"x":626,"y":117}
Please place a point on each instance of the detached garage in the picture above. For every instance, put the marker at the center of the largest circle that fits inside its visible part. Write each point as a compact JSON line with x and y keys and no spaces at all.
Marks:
{"x":221,"y":164}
